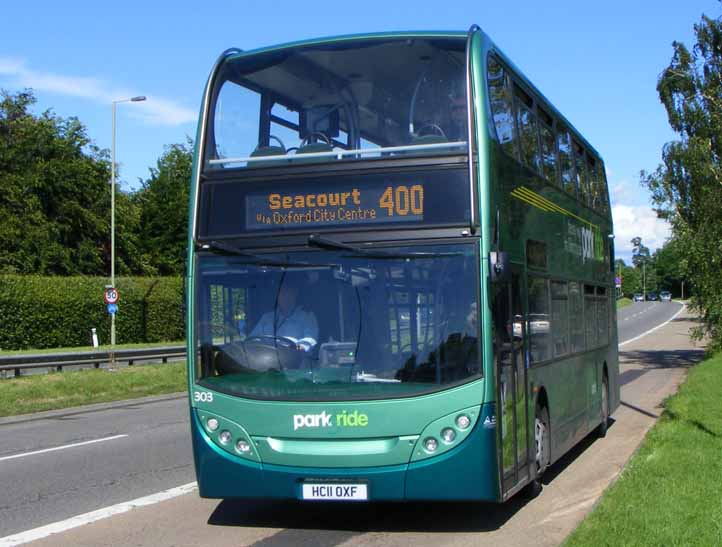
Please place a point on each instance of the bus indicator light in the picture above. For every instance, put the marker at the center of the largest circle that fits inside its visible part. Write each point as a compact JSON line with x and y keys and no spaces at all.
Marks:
{"x":212,"y":424}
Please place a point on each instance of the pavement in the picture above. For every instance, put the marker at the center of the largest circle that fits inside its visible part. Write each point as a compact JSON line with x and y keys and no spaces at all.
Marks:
{"x":651,"y":369}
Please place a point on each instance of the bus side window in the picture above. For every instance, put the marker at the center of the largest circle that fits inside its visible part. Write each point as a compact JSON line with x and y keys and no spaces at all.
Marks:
{"x":594,"y":183}
{"x":565,"y":161}
{"x":550,"y":168}
{"x":576,"y":317}
{"x":582,"y":182}
{"x":601,"y":176}
{"x":539,"y":335}
{"x":590,"y":316}
{"x":560,"y":318}
{"x":527,"y":124}
{"x":500,"y":100}
{"x":602,"y":316}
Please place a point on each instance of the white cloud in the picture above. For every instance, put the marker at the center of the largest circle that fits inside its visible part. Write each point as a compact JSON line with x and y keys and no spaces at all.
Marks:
{"x":632,"y":221}
{"x":156,"y":110}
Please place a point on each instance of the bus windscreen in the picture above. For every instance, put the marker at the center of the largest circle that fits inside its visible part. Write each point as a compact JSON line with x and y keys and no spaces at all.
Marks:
{"x":340,"y":102}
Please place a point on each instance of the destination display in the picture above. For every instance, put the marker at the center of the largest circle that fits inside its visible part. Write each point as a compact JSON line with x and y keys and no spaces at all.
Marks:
{"x":334,"y":205}
{"x":335,"y":202}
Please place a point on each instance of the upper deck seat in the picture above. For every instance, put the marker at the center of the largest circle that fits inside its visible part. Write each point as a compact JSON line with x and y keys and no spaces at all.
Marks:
{"x":312,"y":148}
{"x":261,"y":151}
{"x":428,"y":139}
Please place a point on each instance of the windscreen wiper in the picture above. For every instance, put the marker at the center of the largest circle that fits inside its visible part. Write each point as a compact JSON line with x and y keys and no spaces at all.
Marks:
{"x":315,"y":240}
{"x":219,"y":247}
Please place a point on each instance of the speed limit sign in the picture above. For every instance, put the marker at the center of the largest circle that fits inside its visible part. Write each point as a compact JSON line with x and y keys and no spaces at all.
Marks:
{"x":111,"y":295}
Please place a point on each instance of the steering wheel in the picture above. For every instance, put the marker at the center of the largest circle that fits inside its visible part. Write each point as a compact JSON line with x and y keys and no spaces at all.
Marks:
{"x":271,"y":352}
{"x":436,"y":129}
{"x":268,"y":340}
{"x":304,"y":142}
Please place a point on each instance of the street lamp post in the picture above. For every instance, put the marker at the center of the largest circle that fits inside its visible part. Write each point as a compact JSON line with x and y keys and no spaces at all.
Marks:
{"x":112,"y":214}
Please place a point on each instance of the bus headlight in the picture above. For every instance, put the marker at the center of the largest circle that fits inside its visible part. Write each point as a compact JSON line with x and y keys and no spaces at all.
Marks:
{"x":448,"y":435}
{"x":445,"y":433}
{"x":462,"y":421}
{"x":431,"y":444}
{"x":243,"y":447}
{"x":225,"y":437}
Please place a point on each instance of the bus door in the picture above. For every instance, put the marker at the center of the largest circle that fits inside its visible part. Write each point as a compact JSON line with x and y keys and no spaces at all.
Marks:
{"x":510,"y":339}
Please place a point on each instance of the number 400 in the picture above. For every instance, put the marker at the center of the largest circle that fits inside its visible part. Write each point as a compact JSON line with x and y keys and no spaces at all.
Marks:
{"x":402,"y":200}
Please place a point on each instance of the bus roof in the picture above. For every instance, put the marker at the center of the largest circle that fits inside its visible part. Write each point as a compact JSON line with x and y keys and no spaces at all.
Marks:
{"x":355,"y":37}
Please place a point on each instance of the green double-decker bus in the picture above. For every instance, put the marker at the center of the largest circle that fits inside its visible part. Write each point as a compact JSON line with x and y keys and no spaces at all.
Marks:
{"x":400,"y":276}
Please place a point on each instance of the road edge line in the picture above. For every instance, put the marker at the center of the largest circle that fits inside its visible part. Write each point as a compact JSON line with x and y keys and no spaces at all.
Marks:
{"x":684,"y":306}
{"x":61,"y":447}
{"x":93,"y":516}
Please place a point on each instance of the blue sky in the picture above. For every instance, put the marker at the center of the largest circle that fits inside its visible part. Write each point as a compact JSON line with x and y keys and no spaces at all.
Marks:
{"x":598,"y":62}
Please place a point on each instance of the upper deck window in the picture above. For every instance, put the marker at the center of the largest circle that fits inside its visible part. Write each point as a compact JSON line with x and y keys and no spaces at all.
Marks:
{"x":339,"y":101}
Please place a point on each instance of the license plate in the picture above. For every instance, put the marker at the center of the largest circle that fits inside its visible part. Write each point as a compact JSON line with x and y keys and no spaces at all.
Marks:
{"x":335,"y":491}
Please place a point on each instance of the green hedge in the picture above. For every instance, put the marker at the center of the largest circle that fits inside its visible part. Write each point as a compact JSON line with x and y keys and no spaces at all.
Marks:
{"x":47,"y":312}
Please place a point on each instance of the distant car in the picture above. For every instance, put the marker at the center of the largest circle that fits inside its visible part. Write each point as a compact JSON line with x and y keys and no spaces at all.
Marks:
{"x":638,"y":297}
{"x":665,"y":296}
{"x":651,"y":296}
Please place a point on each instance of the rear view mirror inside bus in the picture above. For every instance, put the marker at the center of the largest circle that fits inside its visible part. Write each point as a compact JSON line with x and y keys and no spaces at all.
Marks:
{"x":499,"y":270}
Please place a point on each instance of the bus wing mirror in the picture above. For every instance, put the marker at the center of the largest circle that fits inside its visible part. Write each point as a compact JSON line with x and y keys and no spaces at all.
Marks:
{"x":499,"y":269}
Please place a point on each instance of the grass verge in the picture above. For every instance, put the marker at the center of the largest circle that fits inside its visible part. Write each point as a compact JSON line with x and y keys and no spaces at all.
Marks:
{"x":669,"y":493}
{"x":58,"y":390}
{"x":623,"y":302}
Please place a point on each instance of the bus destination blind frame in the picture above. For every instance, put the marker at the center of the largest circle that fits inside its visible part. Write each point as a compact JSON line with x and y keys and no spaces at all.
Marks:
{"x":429,"y":198}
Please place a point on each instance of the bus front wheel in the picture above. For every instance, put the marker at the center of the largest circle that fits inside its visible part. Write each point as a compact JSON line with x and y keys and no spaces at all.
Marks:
{"x":542,"y":445}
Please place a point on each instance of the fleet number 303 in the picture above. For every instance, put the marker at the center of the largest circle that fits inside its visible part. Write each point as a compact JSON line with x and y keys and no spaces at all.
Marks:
{"x":202,"y":396}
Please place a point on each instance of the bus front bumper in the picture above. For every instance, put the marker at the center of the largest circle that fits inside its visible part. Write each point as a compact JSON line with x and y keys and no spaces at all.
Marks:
{"x":467,"y":472}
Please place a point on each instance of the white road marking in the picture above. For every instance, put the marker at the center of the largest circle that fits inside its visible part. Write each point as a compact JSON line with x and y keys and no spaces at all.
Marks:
{"x":87,"y":518}
{"x":61,"y":447}
{"x":654,"y":329}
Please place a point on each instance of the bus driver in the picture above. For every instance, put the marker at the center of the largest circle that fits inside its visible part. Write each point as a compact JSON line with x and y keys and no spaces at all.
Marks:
{"x":289,"y":320}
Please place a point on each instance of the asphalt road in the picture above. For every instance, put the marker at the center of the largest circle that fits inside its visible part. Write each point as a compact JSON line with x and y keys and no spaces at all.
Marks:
{"x":39,"y":488}
{"x":56,"y":467}
{"x":640,"y":317}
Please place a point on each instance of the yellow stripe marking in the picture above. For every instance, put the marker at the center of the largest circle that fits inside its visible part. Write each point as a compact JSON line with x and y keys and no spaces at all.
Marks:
{"x":524,"y":194}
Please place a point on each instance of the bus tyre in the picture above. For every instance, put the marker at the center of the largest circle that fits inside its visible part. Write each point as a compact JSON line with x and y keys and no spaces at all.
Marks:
{"x":603,"y":426}
{"x":542,"y":445}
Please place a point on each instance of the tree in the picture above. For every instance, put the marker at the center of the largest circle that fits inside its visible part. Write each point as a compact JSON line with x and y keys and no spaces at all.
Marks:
{"x":631,"y":278}
{"x":687,"y":187}
{"x":54,"y":193}
{"x":643,"y":262}
{"x":163,"y":202}
{"x":670,"y":265}
{"x":640,"y":253}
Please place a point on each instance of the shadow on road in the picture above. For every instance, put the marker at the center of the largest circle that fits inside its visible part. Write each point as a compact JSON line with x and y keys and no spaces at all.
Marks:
{"x":333,"y":523}
{"x":657,"y":359}
{"x":567,"y":459}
